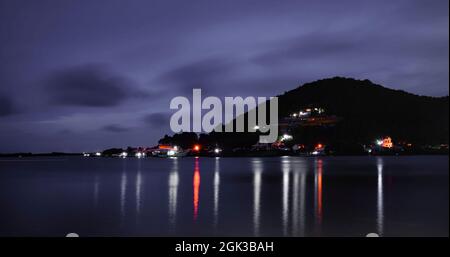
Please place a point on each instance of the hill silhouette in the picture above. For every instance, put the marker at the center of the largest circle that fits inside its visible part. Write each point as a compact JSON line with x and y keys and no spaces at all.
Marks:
{"x":366,"y":112}
{"x":369,"y":111}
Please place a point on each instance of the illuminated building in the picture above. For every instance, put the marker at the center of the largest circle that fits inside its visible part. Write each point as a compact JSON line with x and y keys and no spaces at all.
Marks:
{"x":169,"y":151}
{"x":387,"y":143}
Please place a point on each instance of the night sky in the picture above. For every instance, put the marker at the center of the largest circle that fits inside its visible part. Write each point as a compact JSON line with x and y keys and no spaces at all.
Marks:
{"x":87,"y":75}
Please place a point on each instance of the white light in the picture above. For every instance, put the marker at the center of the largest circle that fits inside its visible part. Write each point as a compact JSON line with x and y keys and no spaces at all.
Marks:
{"x":124,"y":154}
{"x":175,"y":148}
{"x":295,"y":114}
{"x":286,"y":137}
{"x":217,"y":150}
{"x":256,"y":127}
{"x":315,"y":153}
{"x":171,"y":153}
{"x":138,"y":154}
{"x":379,"y":142}
{"x":98,"y":154}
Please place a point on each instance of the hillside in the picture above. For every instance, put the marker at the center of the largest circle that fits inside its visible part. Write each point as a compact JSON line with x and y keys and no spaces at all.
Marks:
{"x":369,"y":110}
{"x":365,"y":112}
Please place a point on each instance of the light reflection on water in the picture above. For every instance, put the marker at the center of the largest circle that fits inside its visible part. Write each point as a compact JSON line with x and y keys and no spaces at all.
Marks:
{"x":196,"y":189}
{"x":216,"y":192}
{"x":298,"y":199}
{"x":173,"y":192}
{"x":318,"y":194}
{"x":285,"y":168}
{"x":123,"y":190}
{"x":380,"y":214}
{"x":286,"y":196}
{"x":257,"y":173}
{"x":138,"y":190}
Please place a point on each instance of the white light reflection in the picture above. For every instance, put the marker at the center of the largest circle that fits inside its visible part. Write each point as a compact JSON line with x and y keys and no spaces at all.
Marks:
{"x":138,"y":189}
{"x":216,"y":192}
{"x":173,"y":191}
{"x":285,"y":168}
{"x":380,"y":207}
{"x":257,"y":170}
{"x":96,"y":191}
{"x":298,"y":200}
{"x":123,"y":190}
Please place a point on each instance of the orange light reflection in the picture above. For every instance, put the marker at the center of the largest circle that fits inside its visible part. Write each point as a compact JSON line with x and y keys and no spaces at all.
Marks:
{"x":196,"y":184}
{"x":319,"y":192}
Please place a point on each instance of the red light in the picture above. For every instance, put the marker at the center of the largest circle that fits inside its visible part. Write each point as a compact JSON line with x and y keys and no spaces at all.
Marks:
{"x":197,"y":148}
{"x":319,"y":145}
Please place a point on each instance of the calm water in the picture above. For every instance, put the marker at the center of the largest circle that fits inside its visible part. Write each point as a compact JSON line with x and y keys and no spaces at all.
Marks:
{"x":287,"y":196}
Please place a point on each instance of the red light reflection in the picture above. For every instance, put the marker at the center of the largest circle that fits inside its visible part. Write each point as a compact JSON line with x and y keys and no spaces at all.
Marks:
{"x":196,"y":184}
{"x":319,"y":192}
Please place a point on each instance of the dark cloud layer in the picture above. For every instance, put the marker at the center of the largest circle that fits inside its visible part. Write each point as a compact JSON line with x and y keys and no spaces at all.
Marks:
{"x":115,"y":128}
{"x":199,"y":72}
{"x":220,"y":76}
{"x":90,"y":86}
{"x":7,"y":106}
{"x":312,"y":46}
{"x":156,"y":120}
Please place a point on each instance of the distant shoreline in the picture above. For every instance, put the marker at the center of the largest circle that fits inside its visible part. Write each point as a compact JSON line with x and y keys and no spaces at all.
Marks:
{"x":28,"y":155}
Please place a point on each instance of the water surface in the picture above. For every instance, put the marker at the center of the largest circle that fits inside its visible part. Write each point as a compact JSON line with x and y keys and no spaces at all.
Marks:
{"x":280,"y":196}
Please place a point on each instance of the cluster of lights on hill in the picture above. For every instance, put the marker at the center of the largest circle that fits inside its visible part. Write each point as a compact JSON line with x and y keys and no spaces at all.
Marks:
{"x":385,"y":142}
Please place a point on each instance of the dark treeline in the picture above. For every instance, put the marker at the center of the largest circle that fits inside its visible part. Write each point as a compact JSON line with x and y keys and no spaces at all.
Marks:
{"x":225,"y":140}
